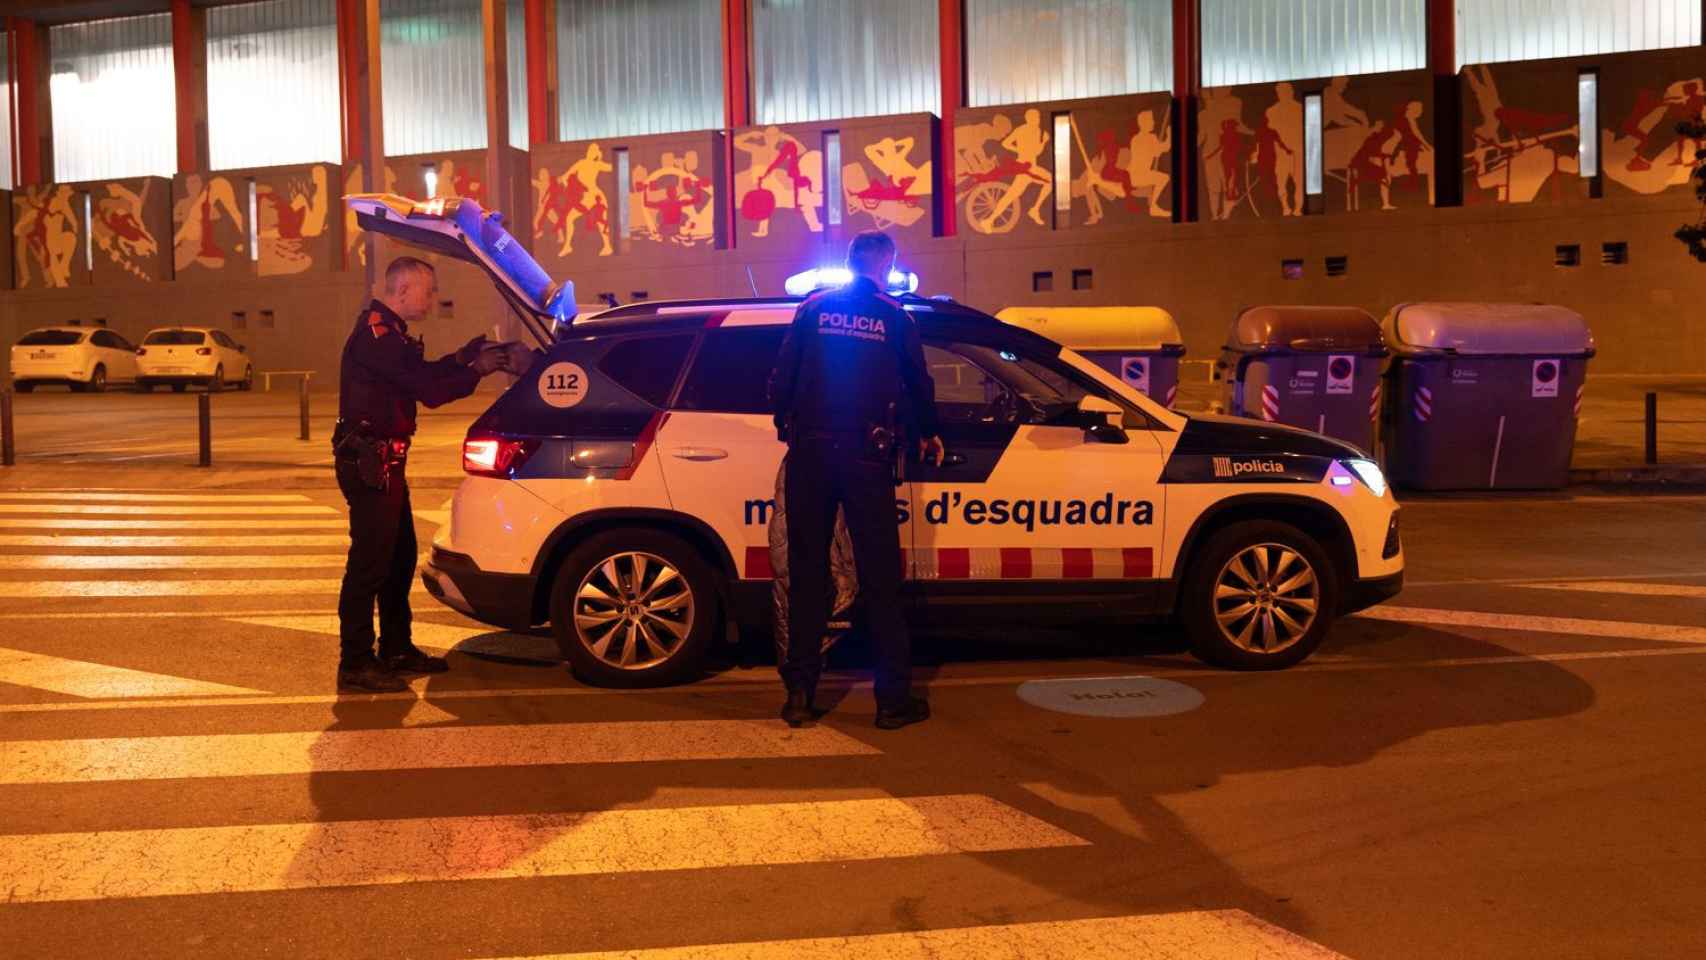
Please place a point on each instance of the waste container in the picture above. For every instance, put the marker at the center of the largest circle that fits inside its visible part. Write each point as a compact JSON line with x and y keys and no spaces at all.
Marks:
{"x":1140,"y":345}
{"x":1484,"y":395}
{"x":1311,"y":367}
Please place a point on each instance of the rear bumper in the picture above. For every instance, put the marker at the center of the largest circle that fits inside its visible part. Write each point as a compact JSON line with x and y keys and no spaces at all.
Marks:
{"x":499,"y":599}
{"x":1362,"y":594}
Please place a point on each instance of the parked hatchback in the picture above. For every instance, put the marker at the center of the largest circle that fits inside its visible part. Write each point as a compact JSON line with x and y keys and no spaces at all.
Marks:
{"x":180,"y":356}
{"x":83,"y":358}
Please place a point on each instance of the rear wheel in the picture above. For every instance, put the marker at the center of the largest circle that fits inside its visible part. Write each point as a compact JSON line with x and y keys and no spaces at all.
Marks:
{"x":218,"y":382}
{"x":143,"y":386}
{"x":248,"y":381}
{"x":24,"y":386}
{"x":1261,"y":595}
{"x":634,"y":608}
{"x":179,"y":387}
{"x":98,"y":380}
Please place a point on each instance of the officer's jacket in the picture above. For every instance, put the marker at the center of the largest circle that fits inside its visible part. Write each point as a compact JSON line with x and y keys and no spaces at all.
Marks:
{"x":384,"y":374}
{"x":850,"y":356}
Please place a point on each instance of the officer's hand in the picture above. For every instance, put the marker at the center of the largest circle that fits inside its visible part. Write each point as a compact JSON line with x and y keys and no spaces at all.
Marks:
{"x":932,"y":449}
{"x":518,"y":357}
{"x":471,"y":350}
{"x":488,"y":359}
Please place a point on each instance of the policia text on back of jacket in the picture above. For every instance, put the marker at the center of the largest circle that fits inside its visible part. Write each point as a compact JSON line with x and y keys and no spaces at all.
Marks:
{"x":383,"y":375}
{"x":849,"y":390}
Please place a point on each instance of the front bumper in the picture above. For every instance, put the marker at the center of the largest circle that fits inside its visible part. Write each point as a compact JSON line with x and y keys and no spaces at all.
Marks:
{"x":1362,"y":594}
{"x":502,"y":600}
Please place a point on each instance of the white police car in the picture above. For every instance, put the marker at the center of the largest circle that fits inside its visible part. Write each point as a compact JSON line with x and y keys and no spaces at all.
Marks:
{"x":621,"y":490}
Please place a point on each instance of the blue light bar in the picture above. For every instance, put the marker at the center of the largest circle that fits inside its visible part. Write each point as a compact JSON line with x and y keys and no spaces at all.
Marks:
{"x":823,"y":278}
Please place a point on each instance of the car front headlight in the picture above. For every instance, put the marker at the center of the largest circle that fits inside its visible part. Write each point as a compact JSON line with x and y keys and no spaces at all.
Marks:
{"x":1369,"y":473}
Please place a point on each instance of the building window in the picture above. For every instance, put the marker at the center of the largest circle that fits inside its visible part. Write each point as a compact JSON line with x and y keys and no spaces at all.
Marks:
{"x":114,"y":99}
{"x":1260,"y":41}
{"x":1587,"y":119}
{"x":626,"y":69}
{"x":1338,"y":266}
{"x":1291,"y":269}
{"x":8,"y":179}
{"x":1490,"y":31}
{"x":430,"y":58}
{"x":832,"y":174}
{"x":1024,"y":51}
{"x":515,"y":36}
{"x":830,"y":59}
{"x":624,"y":180}
{"x":1083,"y":279}
{"x":272,"y":83}
{"x":1042,"y":281}
{"x":1314,"y":164}
{"x":1062,"y":168}
{"x":1567,"y":255}
{"x":1614,"y":254}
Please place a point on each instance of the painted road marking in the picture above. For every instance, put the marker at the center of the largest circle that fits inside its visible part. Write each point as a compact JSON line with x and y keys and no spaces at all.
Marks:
{"x":122,"y":542}
{"x":144,"y":561}
{"x":169,"y":510}
{"x":1191,"y":935}
{"x":1526,"y":581}
{"x":426,"y":634}
{"x":762,"y":682}
{"x":110,"y":589}
{"x":344,"y":751}
{"x":1616,"y":586}
{"x":248,"y":523}
{"x":1619,"y":629}
{"x":266,"y":857}
{"x":80,"y":678}
{"x":80,"y":496}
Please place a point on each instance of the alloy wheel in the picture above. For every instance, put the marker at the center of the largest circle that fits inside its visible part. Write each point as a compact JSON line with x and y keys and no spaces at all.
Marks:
{"x":1266,"y":598}
{"x":633,"y":610}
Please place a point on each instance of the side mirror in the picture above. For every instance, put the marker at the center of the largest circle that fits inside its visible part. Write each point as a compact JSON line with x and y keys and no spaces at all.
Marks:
{"x":242,"y":349}
{"x":1100,"y":418}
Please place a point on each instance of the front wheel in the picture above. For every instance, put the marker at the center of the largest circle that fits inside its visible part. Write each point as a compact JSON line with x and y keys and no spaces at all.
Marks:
{"x":98,"y":381}
{"x":217,"y":384}
{"x":634,"y":608}
{"x":1260,"y":596}
{"x":178,"y":387}
{"x":248,"y":381}
{"x":143,"y":386}
{"x":24,"y":386}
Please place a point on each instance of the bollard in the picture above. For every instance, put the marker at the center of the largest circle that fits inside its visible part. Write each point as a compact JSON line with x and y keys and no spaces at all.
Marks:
{"x":204,"y":413}
{"x":1652,"y":429}
{"x":303,"y":395}
{"x":8,"y":455}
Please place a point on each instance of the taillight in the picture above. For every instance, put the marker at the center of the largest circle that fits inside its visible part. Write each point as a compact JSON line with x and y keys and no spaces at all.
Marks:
{"x":495,"y":456}
{"x":142,"y":351}
{"x":204,"y":351}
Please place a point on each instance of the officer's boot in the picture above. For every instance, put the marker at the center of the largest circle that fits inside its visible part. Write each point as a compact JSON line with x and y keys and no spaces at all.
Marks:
{"x":799,"y":710}
{"x":911,"y":710}
{"x":369,"y":675}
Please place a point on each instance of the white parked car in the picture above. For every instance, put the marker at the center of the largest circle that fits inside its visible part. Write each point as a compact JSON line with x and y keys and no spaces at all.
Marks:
{"x":180,"y":356}
{"x":83,"y":358}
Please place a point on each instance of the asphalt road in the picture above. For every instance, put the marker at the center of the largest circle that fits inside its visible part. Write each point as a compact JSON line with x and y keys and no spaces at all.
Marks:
{"x":1501,"y":763}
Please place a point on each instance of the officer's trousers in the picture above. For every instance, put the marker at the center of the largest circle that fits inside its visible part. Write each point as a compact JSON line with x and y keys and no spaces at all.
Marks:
{"x":824,"y":473}
{"x":381,"y":565}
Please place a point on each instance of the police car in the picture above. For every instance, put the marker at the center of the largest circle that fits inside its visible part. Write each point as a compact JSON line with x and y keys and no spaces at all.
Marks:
{"x":621,"y":491}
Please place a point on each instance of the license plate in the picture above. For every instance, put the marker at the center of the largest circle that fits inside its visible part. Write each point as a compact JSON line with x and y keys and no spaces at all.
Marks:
{"x":42,"y":354}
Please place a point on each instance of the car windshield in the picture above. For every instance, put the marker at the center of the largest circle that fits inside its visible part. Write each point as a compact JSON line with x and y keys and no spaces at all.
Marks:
{"x":175,"y":338}
{"x":50,"y":338}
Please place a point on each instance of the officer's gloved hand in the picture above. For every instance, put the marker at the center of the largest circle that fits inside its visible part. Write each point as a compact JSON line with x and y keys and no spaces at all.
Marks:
{"x":517,"y":357}
{"x":471,"y":350}
{"x":490,"y":358}
{"x":933,"y":450}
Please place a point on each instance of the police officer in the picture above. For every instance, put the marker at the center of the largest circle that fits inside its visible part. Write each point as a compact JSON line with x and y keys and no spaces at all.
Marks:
{"x":849,"y":381}
{"x":383,"y":376}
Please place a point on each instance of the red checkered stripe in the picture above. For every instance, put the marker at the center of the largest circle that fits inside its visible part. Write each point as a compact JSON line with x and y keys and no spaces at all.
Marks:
{"x":1172,"y":395}
{"x":1424,"y":408}
{"x":1374,"y":404}
{"x":1003,"y":563}
{"x":1579,"y":392}
{"x":1270,"y":402}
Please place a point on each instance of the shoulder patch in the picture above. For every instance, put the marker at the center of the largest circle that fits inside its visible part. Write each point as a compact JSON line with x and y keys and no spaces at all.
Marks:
{"x":377,"y":325}
{"x":891,"y":301}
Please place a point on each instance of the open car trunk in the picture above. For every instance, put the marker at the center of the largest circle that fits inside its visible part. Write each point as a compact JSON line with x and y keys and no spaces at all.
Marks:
{"x":460,"y":229}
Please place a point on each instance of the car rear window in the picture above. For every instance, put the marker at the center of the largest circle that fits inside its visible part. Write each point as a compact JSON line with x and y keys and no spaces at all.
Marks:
{"x":647,"y":366}
{"x":732,"y":372}
{"x":175,"y":338}
{"x":49,"y":338}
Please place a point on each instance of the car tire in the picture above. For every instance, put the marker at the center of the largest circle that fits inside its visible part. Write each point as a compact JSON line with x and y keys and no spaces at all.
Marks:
{"x":24,"y":386}
{"x":179,"y":387}
{"x":216,"y":383}
{"x":1252,"y":617}
{"x":143,"y":386}
{"x":97,"y":380}
{"x":248,"y":382}
{"x":584,"y":600}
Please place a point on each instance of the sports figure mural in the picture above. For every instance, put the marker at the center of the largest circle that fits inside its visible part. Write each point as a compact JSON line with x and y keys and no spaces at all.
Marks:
{"x":44,"y":235}
{"x":1133,"y":174}
{"x":900,"y":192}
{"x":1515,"y":152}
{"x":673,"y":204}
{"x":580,"y":200}
{"x":289,"y":215}
{"x":207,"y":209}
{"x":1644,"y":152}
{"x":120,"y":230}
{"x":781,"y":174}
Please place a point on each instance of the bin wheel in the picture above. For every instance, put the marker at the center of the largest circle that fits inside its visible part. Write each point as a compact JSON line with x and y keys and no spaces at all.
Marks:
{"x":1261,"y":595}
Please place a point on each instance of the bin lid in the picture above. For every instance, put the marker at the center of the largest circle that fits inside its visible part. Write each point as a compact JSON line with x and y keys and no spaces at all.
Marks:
{"x":1489,"y":328}
{"x":1324,"y":329}
{"x":1100,"y":328}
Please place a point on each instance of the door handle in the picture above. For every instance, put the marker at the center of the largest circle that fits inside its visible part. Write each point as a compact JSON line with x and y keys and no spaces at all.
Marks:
{"x":954,"y":460}
{"x":699,"y":454}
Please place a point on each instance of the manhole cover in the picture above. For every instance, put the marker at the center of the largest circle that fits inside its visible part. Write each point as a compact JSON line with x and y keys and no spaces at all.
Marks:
{"x":1111,"y":696}
{"x":522,"y":648}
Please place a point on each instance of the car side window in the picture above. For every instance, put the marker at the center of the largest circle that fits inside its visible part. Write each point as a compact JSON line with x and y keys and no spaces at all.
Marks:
{"x":121,"y":343}
{"x":1015,"y":388}
{"x":648,"y":366}
{"x":965,"y":392}
{"x":221,"y":339}
{"x":731,"y":373}
{"x":102,"y":338}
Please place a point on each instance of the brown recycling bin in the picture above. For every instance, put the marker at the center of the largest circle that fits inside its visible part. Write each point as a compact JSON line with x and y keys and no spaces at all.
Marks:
{"x":1311,"y":367}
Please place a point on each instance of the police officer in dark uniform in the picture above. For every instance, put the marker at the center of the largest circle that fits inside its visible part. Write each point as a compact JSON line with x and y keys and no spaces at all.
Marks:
{"x":383,"y":375}
{"x":849,"y":385}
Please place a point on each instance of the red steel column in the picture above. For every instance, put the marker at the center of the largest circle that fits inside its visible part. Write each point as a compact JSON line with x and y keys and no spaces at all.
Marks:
{"x":1447,"y":103}
{"x":1187,"y":87}
{"x":12,"y":99}
{"x":950,"y":24}
{"x":737,"y":100}
{"x":189,"y":69}
{"x":363,"y":108}
{"x":541,"y":57}
{"x":32,"y":141}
